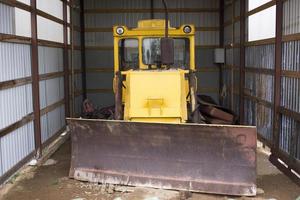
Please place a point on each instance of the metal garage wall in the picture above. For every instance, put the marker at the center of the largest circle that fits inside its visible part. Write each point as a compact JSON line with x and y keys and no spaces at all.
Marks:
{"x":231,"y":69}
{"x":101,"y":16}
{"x":34,"y":78}
{"x":75,"y":67}
{"x":15,"y":96}
{"x":267,"y":75}
{"x":288,"y":134}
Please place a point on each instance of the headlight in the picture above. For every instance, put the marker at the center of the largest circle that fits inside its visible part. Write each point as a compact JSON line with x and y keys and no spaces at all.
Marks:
{"x":187,"y":29}
{"x":120,"y":30}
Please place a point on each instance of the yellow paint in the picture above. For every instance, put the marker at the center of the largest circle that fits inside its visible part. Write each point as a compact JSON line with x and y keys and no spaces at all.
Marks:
{"x":158,"y":95}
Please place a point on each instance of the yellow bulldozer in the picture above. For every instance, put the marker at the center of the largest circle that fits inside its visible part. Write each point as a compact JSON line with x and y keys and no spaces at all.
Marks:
{"x":153,"y":140}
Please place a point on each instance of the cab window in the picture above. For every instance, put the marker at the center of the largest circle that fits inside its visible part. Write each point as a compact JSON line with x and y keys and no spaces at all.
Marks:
{"x":152,"y":53}
{"x":129,"y":54}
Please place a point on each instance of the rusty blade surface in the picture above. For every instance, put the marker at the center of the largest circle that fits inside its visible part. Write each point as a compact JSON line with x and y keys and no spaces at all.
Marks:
{"x":200,"y":158}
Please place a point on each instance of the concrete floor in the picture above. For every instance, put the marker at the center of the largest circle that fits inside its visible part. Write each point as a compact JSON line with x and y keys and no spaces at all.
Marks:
{"x":52,"y":182}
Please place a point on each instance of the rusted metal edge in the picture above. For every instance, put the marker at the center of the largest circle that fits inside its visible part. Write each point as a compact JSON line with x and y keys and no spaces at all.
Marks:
{"x":291,"y":37}
{"x":52,"y":107}
{"x":289,"y":113}
{"x":292,"y":74}
{"x":277,"y":77}
{"x":260,"y":42}
{"x":35,"y":81}
{"x":287,"y":171}
{"x":15,"y":83}
{"x":261,"y":8}
{"x":242,"y":61}
{"x":145,"y":181}
{"x":83,"y":49}
{"x":259,"y":100}
{"x":230,"y":21}
{"x":66,"y":60}
{"x":26,"y":119}
{"x":51,"y":75}
{"x":257,"y":70}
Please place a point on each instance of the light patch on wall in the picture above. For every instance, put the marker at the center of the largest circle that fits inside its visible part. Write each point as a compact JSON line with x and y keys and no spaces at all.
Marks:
{"x":252,"y":4}
{"x":49,"y":30}
{"x":27,"y":2}
{"x":69,"y":35}
{"x":53,"y":7}
{"x":262,"y":25}
{"x":22,"y":22}
{"x":68,"y":14}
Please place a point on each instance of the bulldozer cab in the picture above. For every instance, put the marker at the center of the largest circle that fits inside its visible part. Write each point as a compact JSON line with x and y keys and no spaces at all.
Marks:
{"x":153,"y":72}
{"x":140,"y":48}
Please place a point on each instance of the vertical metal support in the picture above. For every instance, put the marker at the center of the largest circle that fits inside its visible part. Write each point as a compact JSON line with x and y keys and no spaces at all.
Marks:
{"x":152,"y":9}
{"x":277,"y":78}
{"x":221,"y":39}
{"x":35,"y":81}
{"x":82,"y":42}
{"x":118,"y":96}
{"x":242,"y":59}
{"x":66,"y":61}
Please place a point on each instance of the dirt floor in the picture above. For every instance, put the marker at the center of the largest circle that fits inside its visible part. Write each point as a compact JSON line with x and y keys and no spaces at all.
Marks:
{"x":51,"y":181}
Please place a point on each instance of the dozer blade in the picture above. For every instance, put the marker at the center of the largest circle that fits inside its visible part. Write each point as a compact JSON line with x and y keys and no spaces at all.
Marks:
{"x":199,"y":158}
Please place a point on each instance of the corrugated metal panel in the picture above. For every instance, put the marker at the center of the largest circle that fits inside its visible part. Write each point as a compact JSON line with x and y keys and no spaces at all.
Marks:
{"x":188,"y":4}
{"x":78,"y":82}
{"x":16,"y":146}
{"x":15,"y":103}
{"x":226,"y":87}
{"x":261,"y":117}
{"x":50,"y":59}
{"x":260,"y":85}
{"x":51,"y":91}
{"x":203,"y":19}
{"x":7,"y":19}
{"x":15,"y":61}
{"x":229,"y":56}
{"x":291,"y":16}
{"x":99,"y":39}
{"x":261,"y":56}
{"x":76,"y":38}
{"x":207,"y":38}
{"x":237,"y":4}
{"x":52,"y":122}
{"x":287,"y":139}
{"x":101,"y":58}
{"x":90,"y":4}
{"x":228,"y":13}
{"x":291,"y":56}
{"x":228,"y":35}
{"x":78,"y":104}
{"x":290,"y":87}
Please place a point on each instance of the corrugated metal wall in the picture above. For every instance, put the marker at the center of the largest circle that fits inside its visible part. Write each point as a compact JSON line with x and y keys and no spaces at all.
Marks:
{"x":75,"y":67}
{"x":271,"y":68}
{"x":230,"y":71}
{"x":15,"y":102}
{"x":19,"y":138}
{"x":101,"y":16}
{"x":289,"y":134}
